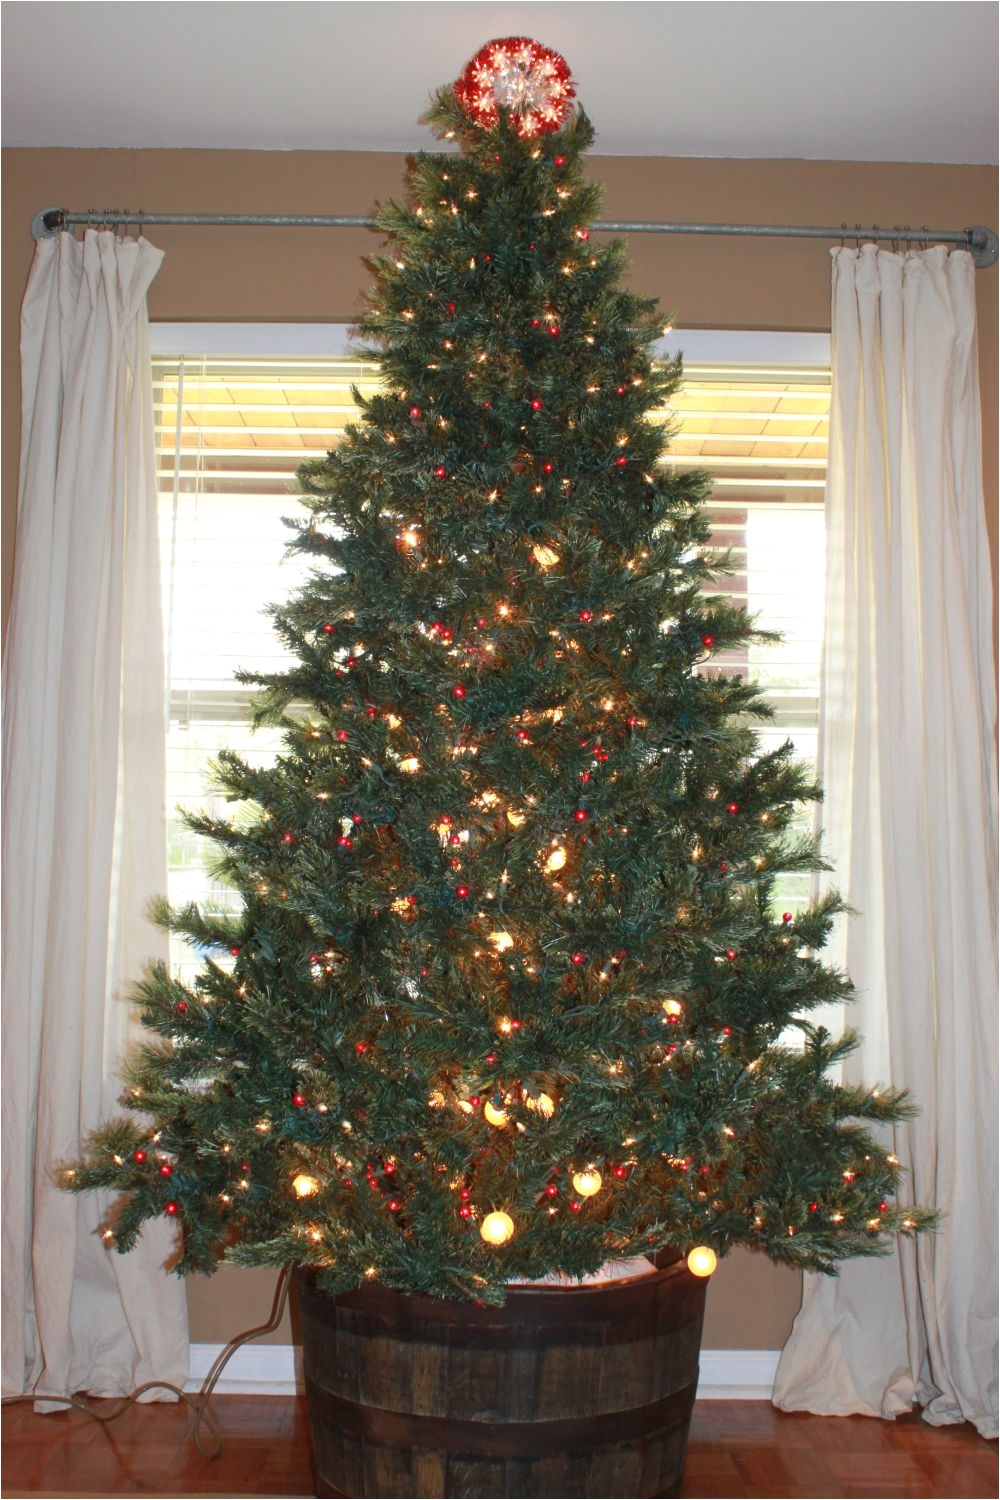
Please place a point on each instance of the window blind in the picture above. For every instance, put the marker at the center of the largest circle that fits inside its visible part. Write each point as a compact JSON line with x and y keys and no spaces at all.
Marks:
{"x":231,"y":434}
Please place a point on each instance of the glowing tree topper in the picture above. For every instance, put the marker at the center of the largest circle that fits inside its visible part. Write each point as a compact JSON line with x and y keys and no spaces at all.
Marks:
{"x":531,"y":81}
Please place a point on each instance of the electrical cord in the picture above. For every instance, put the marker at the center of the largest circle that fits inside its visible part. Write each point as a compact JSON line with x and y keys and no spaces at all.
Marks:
{"x":199,"y":1402}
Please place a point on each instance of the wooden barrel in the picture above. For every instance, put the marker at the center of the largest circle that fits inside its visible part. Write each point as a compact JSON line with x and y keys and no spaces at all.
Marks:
{"x":564,"y":1391}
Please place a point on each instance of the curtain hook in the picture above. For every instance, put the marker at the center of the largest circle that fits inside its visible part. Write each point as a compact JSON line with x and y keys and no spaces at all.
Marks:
{"x":843,"y":232}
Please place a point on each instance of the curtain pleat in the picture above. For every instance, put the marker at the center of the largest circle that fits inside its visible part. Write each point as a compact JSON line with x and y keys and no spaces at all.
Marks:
{"x":907,"y":758}
{"x":84,"y":836}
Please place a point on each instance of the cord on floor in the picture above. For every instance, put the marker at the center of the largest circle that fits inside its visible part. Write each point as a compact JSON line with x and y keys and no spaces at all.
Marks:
{"x":199,"y":1402}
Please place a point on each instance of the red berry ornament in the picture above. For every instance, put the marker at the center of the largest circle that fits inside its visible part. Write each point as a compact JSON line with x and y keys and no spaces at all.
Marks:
{"x":581,"y":815}
{"x":586,"y":616}
{"x":170,"y":1208}
{"x":166,"y":1170}
{"x":440,"y":472}
{"x":462,"y":892}
{"x":299,"y":1100}
{"x":536,"y":403}
{"x":458,"y":691}
{"x":139,"y":1156}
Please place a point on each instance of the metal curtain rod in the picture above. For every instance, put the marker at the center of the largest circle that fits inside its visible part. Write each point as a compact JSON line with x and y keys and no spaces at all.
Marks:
{"x":980,"y":241}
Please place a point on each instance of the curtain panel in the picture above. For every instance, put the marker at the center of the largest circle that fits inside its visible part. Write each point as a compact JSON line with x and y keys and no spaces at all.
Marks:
{"x":84,"y":841}
{"x":908,"y":761}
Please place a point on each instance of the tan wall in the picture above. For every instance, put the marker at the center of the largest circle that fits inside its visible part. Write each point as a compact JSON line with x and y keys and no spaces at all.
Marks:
{"x":284,"y":275}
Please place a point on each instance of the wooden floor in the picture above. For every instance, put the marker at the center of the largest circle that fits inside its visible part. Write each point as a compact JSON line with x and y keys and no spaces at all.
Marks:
{"x":737,"y":1448}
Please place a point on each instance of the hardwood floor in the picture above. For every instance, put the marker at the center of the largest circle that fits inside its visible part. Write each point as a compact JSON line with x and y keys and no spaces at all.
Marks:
{"x":737,"y":1449}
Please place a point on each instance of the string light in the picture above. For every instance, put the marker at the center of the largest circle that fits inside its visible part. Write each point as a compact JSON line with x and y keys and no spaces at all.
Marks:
{"x":497,"y":1228}
{"x":588,"y":1182}
{"x":702,"y":1261}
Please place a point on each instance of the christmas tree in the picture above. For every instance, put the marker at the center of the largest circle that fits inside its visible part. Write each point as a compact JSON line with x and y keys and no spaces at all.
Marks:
{"x":508,"y":992}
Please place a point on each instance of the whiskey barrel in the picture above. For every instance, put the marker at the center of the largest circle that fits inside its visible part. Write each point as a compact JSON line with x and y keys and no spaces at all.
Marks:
{"x":564,"y":1391}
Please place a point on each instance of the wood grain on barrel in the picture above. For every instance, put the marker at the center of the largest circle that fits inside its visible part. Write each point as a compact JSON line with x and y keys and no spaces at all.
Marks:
{"x":562,"y":1392}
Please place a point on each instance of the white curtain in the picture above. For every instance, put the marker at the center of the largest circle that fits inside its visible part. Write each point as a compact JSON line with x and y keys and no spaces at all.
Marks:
{"x":84,"y":841}
{"x":909,"y":767}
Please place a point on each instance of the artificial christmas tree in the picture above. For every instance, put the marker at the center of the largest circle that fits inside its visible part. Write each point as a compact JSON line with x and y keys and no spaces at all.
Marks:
{"x":508,"y":994}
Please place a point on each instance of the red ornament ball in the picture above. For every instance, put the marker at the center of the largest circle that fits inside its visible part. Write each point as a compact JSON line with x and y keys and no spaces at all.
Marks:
{"x":360,"y":1048}
{"x":139,"y":1156}
{"x":559,"y":161}
{"x":732,"y":807}
{"x":577,"y":958}
{"x":344,"y":842}
{"x":458,"y":691}
{"x":170,"y":1208}
{"x":708,"y":641}
{"x":166,"y":1170}
{"x":465,"y":1212}
{"x":288,"y":838}
{"x":551,"y":1190}
{"x":517,"y":74}
{"x":415,"y":412}
{"x":342,"y":735}
{"x":328,"y":628}
{"x":462,"y":892}
{"x":299,"y":1100}
{"x":394,"y":1205}
{"x":586,"y":615}
{"x":786,"y":916}
{"x":581,"y":815}
{"x":730,"y":953}
{"x":621,"y":1172}
{"x":621,"y":461}
{"x":576,"y":1206}
{"x":536,"y":403}
{"x":182,"y":1006}
{"x":440,"y":472}
{"x":554,"y":330}
{"x":548,"y":468}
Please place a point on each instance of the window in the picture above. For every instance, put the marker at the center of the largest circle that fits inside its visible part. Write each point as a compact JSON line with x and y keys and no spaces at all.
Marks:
{"x":233,"y":427}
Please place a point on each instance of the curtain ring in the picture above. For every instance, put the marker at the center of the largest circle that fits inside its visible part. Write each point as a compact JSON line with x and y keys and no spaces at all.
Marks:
{"x":895,"y":239}
{"x":843,"y":232}
{"x":138,"y":222}
{"x":857,"y":236}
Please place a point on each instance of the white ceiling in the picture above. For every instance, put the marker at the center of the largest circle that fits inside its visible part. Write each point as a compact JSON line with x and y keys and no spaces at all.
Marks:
{"x":850,"y":80}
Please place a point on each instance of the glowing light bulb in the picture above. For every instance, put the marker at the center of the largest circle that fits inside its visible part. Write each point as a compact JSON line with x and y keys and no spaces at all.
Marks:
{"x":305,"y":1186}
{"x":501,"y":941}
{"x":515,"y":819}
{"x":410,"y":765}
{"x":544,"y":556}
{"x":587,"y":1183}
{"x":544,"y":1104}
{"x":555,"y":861}
{"x":702,"y":1261}
{"x":494,"y":1116}
{"x":672,"y":1007}
{"x":497,"y":1228}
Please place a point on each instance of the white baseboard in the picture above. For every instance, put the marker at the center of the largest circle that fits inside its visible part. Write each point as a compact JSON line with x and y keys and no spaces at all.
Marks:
{"x":275,"y":1370}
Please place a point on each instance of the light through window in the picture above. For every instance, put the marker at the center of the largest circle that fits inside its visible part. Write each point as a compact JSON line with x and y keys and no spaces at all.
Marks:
{"x":231,"y":433}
